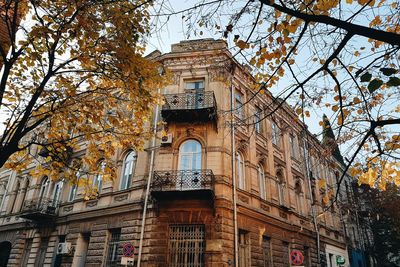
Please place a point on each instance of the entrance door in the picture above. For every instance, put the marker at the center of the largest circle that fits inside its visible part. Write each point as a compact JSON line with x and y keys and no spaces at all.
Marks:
{"x":189,"y":175}
{"x":5,"y":249}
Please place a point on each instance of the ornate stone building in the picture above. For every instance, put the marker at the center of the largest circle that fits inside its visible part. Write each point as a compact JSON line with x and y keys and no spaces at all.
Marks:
{"x":194,"y":211}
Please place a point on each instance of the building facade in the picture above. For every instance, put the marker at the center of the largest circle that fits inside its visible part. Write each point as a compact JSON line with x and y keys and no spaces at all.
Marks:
{"x":215,"y":133}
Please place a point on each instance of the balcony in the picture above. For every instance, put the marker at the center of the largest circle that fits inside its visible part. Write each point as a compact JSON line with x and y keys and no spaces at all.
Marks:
{"x":190,"y":107}
{"x":40,"y":209}
{"x":183,"y":184}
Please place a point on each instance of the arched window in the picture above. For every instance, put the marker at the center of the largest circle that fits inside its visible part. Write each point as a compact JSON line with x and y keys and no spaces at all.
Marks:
{"x":189,"y":165}
{"x":24,"y":191}
{"x":74,"y":188}
{"x":44,"y":187}
{"x":276,"y":134}
{"x":298,"y":189}
{"x":240,"y":171}
{"x":281,"y":186}
{"x":13,"y":200}
{"x":98,"y":178}
{"x":128,"y":170}
{"x":190,"y":155}
{"x":261,"y":181}
{"x":57,"y":192}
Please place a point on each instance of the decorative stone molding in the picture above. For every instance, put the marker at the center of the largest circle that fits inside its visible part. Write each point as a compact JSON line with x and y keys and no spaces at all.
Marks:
{"x":283,"y":215}
{"x":92,"y":203}
{"x":121,"y":198}
{"x":68,"y":208}
{"x":244,"y":199}
{"x":265,"y":207}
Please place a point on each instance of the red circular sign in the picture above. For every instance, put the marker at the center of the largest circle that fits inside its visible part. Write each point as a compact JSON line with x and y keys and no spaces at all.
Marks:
{"x":296,"y":257}
{"x":128,"y":250}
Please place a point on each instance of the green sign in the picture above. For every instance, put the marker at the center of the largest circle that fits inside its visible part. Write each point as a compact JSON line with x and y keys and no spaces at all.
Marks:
{"x":340,"y":260}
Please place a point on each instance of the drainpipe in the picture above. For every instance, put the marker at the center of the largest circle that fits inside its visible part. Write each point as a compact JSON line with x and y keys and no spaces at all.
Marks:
{"x":314,"y":217}
{"x":146,"y":197}
{"x":236,"y":254}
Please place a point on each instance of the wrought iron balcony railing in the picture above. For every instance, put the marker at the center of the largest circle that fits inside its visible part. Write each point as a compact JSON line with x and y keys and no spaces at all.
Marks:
{"x":196,"y":105}
{"x":39,"y":208}
{"x":183,"y":180}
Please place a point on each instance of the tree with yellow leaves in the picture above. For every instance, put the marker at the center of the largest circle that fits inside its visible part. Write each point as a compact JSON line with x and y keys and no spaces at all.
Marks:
{"x":340,"y":57}
{"x":73,"y":71}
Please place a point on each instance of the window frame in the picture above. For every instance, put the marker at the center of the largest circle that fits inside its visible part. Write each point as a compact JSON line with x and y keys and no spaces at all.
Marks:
{"x":276,"y":134}
{"x":258,"y":125}
{"x":98,"y":178}
{"x":262,"y":182}
{"x":125,"y":184}
{"x":240,"y":170}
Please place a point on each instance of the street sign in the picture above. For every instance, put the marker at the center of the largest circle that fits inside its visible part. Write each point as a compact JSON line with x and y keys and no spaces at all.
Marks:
{"x":128,"y":250}
{"x":340,"y":260}
{"x":127,"y":261}
{"x":296,"y":257}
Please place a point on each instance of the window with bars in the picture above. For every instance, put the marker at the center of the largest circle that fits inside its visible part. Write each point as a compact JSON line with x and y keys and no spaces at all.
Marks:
{"x":186,"y":246}
{"x":244,"y":249}
{"x":267,"y":252}
{"x":113,"y":255}
{"x":285,"y":250}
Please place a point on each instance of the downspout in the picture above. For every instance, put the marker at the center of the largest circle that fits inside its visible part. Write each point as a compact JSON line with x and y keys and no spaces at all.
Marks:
{"x":146,"y":197}
{"x":233,"y":173}
{"x":314,"y":217}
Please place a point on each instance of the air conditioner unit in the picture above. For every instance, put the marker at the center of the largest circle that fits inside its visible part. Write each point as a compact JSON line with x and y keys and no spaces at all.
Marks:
{"x":166,"y":139}
{"x":64,"y":248}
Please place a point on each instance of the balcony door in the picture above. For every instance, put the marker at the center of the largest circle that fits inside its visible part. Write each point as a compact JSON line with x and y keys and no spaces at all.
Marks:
{"x":195,"y":94}
{"x":189,"y":175}
{"x":44,"y":188}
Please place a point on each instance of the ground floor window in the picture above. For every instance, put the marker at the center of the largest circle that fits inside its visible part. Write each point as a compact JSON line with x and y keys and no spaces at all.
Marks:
{"x":113,"y":255}
{"x":267,"y":251}
{"x":244,"y":249}
{"x":41,"y":256}
{"x":186,"y":245}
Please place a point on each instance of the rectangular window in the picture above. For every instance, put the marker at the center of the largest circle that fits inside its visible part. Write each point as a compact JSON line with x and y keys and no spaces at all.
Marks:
{"x":194,"y":85}
{"x":267,"y":252}
{"x":27,"y":251}
{"x":257,"y":120}
{"x":307,"y":258}
{"x":244,"y":249}
{"x":239,"y":110}
{"x":285,"y":256}
{"x":294,"y":148}
{"x":41,"y":256}
{"x":113,"y":252}
{"x":186,"y":245}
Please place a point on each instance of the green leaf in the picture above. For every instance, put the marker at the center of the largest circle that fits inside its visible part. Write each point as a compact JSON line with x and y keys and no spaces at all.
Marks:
{"x":393,"y":81}
{"x":388,"y":71}
{"x":374,"y":85}
{"x":366,"y":77}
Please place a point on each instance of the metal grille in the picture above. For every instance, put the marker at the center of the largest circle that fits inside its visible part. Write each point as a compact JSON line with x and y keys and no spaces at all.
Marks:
{"x":114,"y":248}
{"x":42,"y":205}
{"x":186,"y":246}
{"x":195,"y":100}
{"x":183,"y":180}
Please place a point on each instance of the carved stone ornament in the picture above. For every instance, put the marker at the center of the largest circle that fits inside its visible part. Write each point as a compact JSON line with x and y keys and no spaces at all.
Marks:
{"x":68,"y":208}
{"x":244,"y":199}
{"x":91,"y":203}
{"x":121,"y":198}
{"x":265,"y":207}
